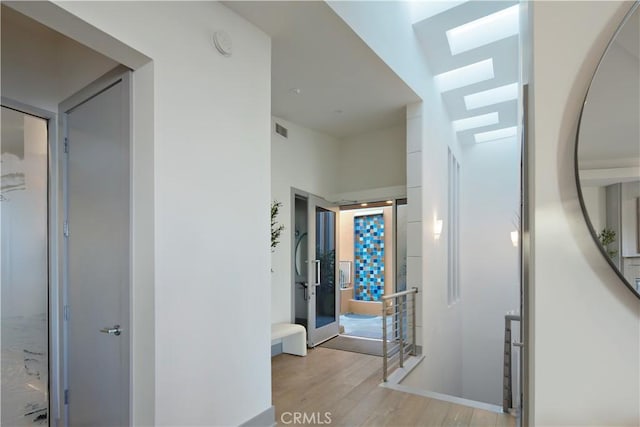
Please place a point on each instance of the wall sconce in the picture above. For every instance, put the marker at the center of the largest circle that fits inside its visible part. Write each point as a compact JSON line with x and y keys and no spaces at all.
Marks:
{"x":437,"y":229}
{"x":514,"y":238}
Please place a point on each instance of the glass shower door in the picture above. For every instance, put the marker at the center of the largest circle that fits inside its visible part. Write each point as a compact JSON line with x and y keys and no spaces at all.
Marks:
{"x":323,"y":296}
{"x":24,"y":269}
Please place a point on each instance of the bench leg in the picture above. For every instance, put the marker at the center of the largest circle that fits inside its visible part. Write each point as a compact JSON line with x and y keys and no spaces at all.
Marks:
{"x":295,"y":344}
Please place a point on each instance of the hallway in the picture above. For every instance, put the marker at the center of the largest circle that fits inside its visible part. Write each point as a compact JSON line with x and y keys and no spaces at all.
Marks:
{"x":342,"y":387}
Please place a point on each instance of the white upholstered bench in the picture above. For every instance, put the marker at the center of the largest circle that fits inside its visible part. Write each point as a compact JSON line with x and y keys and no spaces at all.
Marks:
{"x":294,"y":338}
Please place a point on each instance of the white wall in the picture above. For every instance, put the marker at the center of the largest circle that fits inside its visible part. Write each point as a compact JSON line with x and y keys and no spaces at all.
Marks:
{"x":210,"y":119}
{"x":429,"y":134}
{"x":373,"y":160}
{"x":489,"y":210}
{"x":442,"y":331}
{"x":585,"y":343}
{"x":307,"y":160}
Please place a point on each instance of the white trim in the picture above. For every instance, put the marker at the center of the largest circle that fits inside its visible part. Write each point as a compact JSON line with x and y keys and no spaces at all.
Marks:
{"x":446,"y":398}
{"x":264,"y":418}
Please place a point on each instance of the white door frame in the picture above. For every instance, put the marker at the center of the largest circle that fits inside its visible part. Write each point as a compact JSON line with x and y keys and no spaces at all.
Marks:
{"x":112,"y":77}
{"x":317,"y":335}
{"x":54,"y":230}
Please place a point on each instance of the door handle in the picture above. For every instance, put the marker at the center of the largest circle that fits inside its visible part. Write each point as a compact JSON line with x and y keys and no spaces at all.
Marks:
{"x":318,"y":278}
{"x":112,"y":331}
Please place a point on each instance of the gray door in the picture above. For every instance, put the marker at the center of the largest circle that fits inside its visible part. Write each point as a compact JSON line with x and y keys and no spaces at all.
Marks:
{"x":323,"y":311}
{"x":97,"y":130}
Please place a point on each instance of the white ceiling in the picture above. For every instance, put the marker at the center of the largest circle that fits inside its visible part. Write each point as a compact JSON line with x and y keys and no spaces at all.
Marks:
{"x":431,"y":33}
{"x":345,"y":88}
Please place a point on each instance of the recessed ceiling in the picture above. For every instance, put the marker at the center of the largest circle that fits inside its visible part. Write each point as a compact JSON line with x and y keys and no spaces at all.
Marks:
{"x":345,"y":89}
{"x":500,"y":45}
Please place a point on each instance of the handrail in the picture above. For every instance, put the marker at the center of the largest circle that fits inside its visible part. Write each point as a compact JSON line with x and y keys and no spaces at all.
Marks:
{"x":413,"y":290}
{"x":402,"y":309}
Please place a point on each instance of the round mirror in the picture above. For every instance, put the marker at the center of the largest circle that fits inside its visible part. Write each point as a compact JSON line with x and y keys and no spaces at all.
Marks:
{"x":608,"y":152}
{"x":301,"y":257}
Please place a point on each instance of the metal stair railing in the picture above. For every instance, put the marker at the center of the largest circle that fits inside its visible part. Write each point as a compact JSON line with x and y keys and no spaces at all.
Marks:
{"x":401,"y":339}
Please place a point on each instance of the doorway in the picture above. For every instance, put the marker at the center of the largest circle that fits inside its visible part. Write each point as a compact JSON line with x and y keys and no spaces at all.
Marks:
{"x":96,"y":254}
{"x":24,"y":209}
{"x":373,"y":262}
{"x":314,"y":267}
{"x":37,"y":82}
{"x":371,"y":259}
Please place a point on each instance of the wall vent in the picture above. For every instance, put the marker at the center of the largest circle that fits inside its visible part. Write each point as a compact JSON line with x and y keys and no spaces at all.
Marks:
{"x":281,"y":130}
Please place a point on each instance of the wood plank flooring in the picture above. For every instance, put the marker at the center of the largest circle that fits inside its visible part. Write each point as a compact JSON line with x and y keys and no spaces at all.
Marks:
{"x":342,"y":387}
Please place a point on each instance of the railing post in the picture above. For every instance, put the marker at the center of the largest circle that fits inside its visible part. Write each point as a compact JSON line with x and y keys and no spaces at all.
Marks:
{"x":507,"y":387}
{"x":506,"y":379}
{"x":414,"y":352}
{"x":400,"y":331}
{"x":384,"y":340}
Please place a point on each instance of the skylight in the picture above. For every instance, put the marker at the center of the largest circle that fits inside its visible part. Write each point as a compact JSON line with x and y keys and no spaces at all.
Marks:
{"x":496,"y":134}
{"x":421,"y":10}
{"x":464,"y":76}
{"x":476,"y":122}
{"x":491,"y":96}
{"x":485,"y":30}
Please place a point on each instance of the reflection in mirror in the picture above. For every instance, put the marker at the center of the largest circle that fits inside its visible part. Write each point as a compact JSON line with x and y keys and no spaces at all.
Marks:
{"x":24,"y":277}
{"x":608,"y":152}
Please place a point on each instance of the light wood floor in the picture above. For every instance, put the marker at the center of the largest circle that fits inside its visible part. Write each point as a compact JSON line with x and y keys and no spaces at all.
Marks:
{"x":345,"y":385}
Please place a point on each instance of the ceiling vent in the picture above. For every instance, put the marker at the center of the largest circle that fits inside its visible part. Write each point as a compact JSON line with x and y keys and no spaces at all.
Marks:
{"x":281,"y":130}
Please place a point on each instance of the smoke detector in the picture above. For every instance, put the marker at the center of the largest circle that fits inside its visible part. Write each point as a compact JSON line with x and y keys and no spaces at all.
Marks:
{"x":222,"y":42}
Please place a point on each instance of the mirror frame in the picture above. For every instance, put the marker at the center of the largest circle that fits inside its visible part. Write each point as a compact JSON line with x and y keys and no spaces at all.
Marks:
{"x":585,"y":213}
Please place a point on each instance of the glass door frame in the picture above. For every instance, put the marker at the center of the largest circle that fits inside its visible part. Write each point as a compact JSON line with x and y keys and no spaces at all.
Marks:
{"x":318,"y":335}
{"x":55,"y":152}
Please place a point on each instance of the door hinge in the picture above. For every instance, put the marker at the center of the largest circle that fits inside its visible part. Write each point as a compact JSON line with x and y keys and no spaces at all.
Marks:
{"x":66,"y":145}
{"x":66,"y":313}
{"x":66,"y":397}
{"x":65,"y":229}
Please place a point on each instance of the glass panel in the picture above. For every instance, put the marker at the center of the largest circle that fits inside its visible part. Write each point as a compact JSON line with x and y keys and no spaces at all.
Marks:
{"x":326,"y":254}
{"x":24,"y":293}
{"x":301,"y":257}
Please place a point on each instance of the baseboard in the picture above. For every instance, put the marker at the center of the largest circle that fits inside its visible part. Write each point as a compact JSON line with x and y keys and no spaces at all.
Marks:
{"x":276,"y":349}
{"x":266,"y":418}
{"x":445,"y":397}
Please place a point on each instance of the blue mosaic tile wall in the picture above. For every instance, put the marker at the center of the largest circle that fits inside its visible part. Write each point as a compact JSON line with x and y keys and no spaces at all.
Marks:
{"x":369,"y":257}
